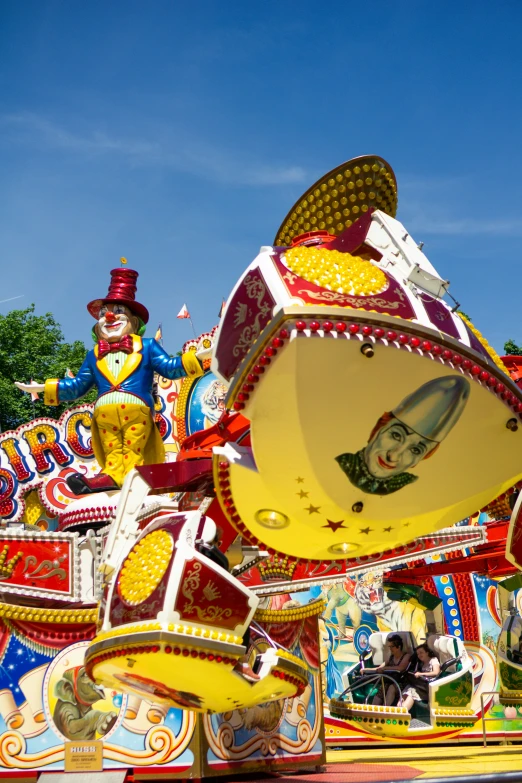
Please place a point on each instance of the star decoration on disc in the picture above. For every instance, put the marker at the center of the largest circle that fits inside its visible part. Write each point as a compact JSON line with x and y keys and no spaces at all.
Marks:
{"x":334,"y":526}
{"x":302,"y":494}
{"x":388,"y":529}
{"x":365,"y":530}
{"x":312,"y":509}
{"x":300,"y":480}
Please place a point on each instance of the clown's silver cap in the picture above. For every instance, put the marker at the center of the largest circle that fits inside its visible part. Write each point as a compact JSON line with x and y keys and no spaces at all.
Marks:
{"x":434,"y":408}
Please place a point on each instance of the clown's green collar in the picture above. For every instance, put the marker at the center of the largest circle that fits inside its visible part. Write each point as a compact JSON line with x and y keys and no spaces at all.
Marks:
{"x":354,"y":466}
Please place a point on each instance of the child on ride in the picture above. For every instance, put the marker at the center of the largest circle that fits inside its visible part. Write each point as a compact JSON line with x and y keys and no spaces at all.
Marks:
{"x":428,"y":668}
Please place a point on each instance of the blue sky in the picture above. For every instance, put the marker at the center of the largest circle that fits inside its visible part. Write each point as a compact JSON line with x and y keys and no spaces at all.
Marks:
{"x":179,"y":134}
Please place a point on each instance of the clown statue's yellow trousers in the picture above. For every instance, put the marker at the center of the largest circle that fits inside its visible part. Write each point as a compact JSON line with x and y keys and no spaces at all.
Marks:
{"x":124,"y":436}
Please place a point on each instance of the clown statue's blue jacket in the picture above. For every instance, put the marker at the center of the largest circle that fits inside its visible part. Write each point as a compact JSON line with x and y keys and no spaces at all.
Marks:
{"x":136,"y":377}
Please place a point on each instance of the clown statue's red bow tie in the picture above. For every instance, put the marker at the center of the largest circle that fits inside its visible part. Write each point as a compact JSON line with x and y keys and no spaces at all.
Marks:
{"x":104,"y":347}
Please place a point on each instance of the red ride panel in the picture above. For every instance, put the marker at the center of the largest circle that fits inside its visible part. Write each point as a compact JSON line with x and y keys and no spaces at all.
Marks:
{"x":248,"y":312}
{"x":392,"y":301}
{"x":206,"y":597}
{"x":38,"y":565}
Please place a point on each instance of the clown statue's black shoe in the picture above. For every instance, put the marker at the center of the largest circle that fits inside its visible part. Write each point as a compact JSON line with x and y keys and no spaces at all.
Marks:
{"x":81,"y":485}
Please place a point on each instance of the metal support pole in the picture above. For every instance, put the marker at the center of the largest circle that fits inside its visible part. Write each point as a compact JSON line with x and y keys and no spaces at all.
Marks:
{"x":483,"y":715}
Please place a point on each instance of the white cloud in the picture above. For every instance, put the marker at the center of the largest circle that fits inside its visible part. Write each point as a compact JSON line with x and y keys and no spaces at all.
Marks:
{"x":434,"y":205}
{"x":465,"y":226}
{"x":193,"y":157}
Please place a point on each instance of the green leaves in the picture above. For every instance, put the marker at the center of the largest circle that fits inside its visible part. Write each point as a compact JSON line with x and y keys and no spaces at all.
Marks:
{"x":32,"y":347}
{"x":512,"y":349}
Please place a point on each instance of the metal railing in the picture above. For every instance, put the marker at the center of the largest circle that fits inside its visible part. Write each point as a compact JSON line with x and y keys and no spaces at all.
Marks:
{"x":487,"y":720}
{"x":373,"y":679}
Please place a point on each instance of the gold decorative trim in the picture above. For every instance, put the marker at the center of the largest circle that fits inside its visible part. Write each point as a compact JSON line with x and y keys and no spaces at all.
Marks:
{"x":40,"y":615}
{"x":293,"y":658}
{"x":145,"y":567}
{"x":482,"y":340}
{"x":339,"y":273}
{"x":295,"y":613}
{"x":340,"y":197}
{"x":186,"y":630}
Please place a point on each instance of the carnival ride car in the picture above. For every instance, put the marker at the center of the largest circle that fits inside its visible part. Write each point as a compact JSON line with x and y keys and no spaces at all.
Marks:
{"x":509,"y":645}
{"x":346,"y":295}
{"x":175,"y":621}
{"x":449,"y":694}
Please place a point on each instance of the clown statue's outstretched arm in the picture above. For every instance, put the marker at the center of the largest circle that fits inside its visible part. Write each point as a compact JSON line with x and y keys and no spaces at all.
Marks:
{"x":174,"y":366}
{"x":66,"y":389}
{"x":69,"y":389}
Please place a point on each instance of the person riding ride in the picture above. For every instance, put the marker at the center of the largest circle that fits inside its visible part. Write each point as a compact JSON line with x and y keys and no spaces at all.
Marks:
{"x":398,"y":661}
{"x":427,"y":669}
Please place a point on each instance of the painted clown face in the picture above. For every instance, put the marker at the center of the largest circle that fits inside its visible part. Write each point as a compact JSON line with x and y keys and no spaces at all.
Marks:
{"x":115,"y":321}
{"x":395,"y":449}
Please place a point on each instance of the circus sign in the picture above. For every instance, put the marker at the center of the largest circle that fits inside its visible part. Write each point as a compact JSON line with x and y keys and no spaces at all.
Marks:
{"x":41,"y":454}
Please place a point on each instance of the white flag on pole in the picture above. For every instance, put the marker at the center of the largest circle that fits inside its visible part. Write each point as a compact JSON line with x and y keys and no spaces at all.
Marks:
{"x":183,"y":313}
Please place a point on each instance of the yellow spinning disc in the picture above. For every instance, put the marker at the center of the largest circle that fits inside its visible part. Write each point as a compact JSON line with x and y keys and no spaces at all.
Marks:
{"x":340,"y":197}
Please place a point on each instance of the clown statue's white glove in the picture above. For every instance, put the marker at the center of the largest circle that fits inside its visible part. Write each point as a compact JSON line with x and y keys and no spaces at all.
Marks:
{"x":204,"y":353}
{"x":30,"y":388}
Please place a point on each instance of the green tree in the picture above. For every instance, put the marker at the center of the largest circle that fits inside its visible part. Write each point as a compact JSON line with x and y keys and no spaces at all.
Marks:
{"x":512,"y":349}
{"x":32,"y":347}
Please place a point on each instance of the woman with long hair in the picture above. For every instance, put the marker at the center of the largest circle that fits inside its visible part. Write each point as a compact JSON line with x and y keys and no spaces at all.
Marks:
{"x":427,"y":669}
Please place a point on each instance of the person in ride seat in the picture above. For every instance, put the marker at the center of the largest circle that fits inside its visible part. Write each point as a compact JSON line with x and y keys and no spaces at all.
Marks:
{"x":517,"y":652}
{"x":428,"y":667}
{"x":398,"y":661}
{"x":213,"y":552}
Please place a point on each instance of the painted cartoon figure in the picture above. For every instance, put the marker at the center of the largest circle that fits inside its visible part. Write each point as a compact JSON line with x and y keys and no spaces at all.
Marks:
{"x":213,"y":401}
{"x":405,"y":436}
{"x":121,"y":366}
{"x":340,"y":599}
{"x":73,"y":714}
{"x":352,"y":597}
{"x":153,"y":688}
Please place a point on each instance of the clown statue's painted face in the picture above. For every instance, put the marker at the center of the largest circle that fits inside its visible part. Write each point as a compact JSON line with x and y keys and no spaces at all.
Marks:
{"x":115,"y":321}
{"x":394,"y":449}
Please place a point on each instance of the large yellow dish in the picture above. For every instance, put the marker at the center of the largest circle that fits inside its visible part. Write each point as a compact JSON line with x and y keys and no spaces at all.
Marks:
{"x":166,"y":668}
{"x":378,"y":413}
{"x":291,"y":491}
{"x":340,"y":197}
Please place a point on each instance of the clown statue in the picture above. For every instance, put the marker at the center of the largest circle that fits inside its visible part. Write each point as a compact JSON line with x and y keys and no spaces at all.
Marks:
{"x":121,"y":366}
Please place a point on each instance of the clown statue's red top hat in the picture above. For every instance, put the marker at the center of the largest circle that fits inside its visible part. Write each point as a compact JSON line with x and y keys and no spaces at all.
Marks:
{"x":122,"y":290}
